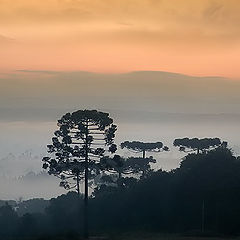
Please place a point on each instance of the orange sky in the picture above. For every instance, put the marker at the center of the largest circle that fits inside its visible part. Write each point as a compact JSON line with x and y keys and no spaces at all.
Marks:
{"x":197,"y":37}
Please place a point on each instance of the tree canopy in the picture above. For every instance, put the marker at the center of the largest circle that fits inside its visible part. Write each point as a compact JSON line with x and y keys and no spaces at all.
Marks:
{"x":125,"y":166}
{"x":196,"y":144}
{"x":84,"y":132}
{"x":144,"y":146}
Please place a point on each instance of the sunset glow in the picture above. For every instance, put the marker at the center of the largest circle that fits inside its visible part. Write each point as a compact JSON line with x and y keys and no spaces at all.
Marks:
{"x":199,"y":37}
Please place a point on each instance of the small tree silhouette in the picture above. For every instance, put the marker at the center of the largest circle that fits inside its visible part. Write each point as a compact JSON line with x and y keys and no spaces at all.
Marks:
{"x":82,"y":138}
{"x":126,"y":166}
{"x":142,"y":147}
{"x":196,"y":144}
{"x":142,"y":165}
{"x":116,"y":164}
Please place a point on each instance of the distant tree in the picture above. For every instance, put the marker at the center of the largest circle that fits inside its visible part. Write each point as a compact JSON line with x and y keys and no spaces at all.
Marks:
{"x":28,"y":225}
{"x":64,"y":212}
{"x":143,"y":147}
{"x":126,"y":166}
{"x":116,"y":164}
{"x":82,"y":138}
{"x":36,"y":205}
{"x":196,"y":144}
{"x":8,"y":220}
{"x":142,"y":165}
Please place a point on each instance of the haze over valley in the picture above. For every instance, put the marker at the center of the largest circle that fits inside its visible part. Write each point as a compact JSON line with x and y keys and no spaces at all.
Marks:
{"x":146,"y":106}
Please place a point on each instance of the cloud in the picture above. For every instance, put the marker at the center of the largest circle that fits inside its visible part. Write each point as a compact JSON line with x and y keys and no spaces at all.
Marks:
{"x":49,"y":95}
{"x":213,"y":9}
{"x":208,"y":17}
{"x":84,"y":32}
{"x":124,"y":10}
{"x":4,"y":39}
{"x":37,"y":71}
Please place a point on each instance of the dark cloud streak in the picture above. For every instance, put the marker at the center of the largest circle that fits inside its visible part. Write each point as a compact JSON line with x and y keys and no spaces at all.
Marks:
{"x":45,"y":95}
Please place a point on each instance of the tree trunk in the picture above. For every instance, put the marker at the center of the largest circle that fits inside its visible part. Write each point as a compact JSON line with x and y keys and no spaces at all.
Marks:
{"x":203,"y":216}
{"x":78,"y":185}
{"x":86,"y":234}
{"x":119,"y":182}
{"x":86,"y":201}
{"x":144,"y":153}
{"x":144,"y":173}
{"x":79,"y":199}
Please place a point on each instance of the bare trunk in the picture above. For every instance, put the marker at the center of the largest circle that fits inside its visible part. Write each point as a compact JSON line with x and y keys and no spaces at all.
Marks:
{"x":78,"y":185}
{"x":144,"y":173}
{"x":119,"y":182}
{"x":144,"y":153}
{"x":79,"y":199}
{"x":203,"y":216}
{"x":86,"y":234}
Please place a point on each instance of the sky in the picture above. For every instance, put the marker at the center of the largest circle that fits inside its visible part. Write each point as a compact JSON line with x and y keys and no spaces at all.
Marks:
{"x":146,"y":106}
{"x":163,"y":69}
{"x":46,"y":95}
{"x":194,"y":37}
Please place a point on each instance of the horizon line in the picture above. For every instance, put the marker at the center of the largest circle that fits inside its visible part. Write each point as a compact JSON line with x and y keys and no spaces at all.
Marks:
{"x":117,"y":73}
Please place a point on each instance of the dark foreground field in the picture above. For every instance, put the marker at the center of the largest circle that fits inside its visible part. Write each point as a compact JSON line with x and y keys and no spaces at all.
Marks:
{"x":159,"y":236}
{"x":131,"y":236}
{"x":142,"y":236}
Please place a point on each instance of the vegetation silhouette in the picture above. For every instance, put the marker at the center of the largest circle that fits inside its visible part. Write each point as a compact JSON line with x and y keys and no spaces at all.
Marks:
{"x":201,"y":197}
{"x":167,"y":202}
{"x":142,"y":164}
{"x":143,"y":147}
{"x":196,"y":144}
{"x":125,"y":166}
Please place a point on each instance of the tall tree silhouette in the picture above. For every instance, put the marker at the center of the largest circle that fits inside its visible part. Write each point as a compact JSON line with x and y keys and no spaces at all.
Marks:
{"x":196,"y":144}
{"x":82,"y":138}
{"x":143,"y":147}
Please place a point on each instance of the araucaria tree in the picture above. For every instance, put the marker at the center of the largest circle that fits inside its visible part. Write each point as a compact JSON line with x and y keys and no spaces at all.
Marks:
{"x":117,"y":165}
{"x":143,"y":147}
{"x":125,"y":166}
{"x":82,"y":139}
{"x":196,"y":144}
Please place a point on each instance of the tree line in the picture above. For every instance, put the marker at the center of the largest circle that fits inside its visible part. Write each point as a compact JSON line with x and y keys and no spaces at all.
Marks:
{"x":168,"y":202}
{"x":80,"y":146}
{"x":127,"y":194}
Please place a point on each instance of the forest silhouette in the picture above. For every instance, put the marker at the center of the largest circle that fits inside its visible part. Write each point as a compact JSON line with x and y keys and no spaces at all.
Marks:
{"x":200,"y":198}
